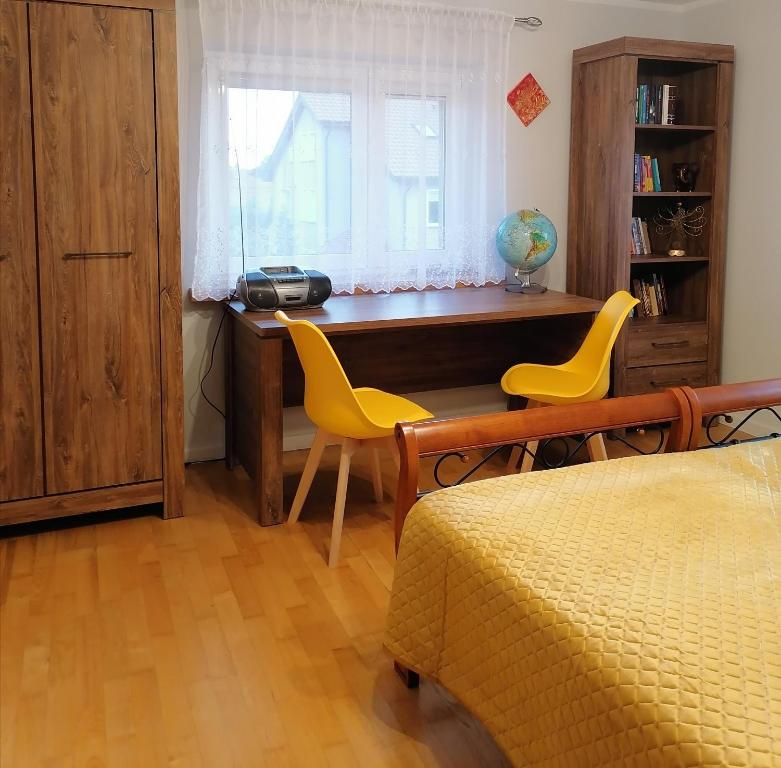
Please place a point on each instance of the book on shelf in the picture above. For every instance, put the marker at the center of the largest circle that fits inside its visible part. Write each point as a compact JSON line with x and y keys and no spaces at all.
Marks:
{"x":651,"y":291}
{"x":646,"y":238}
{"x":647,"y":177}
{"x":641,"y":242}
{"x":655,"y":104}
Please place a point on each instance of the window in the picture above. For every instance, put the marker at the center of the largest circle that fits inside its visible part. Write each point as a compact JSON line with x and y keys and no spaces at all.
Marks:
{"x":335,"y":148}
{"x":291,"y":156}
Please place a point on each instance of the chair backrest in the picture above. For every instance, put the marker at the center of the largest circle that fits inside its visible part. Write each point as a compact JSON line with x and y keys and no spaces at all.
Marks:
{"x":593,"y":357}
{"x":329,"y":400}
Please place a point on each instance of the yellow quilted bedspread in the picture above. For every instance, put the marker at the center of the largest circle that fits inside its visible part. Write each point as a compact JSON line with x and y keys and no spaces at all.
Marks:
{"x":619,"y":614}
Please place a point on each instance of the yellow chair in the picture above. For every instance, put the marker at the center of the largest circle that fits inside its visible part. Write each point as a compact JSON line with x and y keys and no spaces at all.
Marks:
{"x":584,"y":378}
{"x":350,"y":417}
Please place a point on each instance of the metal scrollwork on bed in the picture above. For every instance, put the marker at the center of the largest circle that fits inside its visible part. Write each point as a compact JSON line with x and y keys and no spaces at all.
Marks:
{"x":546,"y":454}
{"x":714,"y":441}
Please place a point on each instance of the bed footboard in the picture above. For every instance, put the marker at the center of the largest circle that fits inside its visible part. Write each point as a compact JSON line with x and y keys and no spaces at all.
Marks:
{"x":689,"y":412}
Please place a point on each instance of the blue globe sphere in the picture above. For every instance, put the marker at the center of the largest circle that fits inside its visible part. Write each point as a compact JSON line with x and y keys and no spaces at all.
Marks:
{"x":526,"y":240}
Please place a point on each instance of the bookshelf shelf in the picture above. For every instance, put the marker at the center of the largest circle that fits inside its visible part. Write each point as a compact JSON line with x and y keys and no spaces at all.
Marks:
{"x":660,"y":259}
{"x":682,"y":128}
{"x":673,"y":194}
{"x":666,"y":320}
{"x":610,"y":224}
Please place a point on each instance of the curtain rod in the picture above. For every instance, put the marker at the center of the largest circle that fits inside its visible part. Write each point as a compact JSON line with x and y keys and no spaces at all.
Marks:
{"x":528,"y":21}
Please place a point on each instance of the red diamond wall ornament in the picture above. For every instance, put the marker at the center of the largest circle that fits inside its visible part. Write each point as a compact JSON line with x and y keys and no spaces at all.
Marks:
{"x":527,"y":99}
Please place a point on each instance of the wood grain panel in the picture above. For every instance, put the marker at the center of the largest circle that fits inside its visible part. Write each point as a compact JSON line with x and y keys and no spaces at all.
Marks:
{"x":658,"y":377}
{"x":600,"y":195}
{"x":21,"y":457}
{"x":81,"y":502}
{"x":268,"y":475}
{"x":423,"y":309}
{"x":651,"y":344}
{"x":156,"y":5}
{"x":93,"y":101}
{"x":718,"y":234}
{"x":460,"y":356}
{"x":655,"y":49}
{"x":169,"y":244}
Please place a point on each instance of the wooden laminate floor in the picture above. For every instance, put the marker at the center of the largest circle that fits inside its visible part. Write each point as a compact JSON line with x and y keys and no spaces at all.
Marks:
{"x":210,"y":641}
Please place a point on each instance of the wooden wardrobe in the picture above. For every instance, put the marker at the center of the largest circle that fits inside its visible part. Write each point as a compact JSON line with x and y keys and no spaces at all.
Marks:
{"x":90,"y":292}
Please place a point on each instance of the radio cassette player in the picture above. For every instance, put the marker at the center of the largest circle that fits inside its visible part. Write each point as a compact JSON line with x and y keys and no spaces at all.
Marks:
{"x":272,"y":288}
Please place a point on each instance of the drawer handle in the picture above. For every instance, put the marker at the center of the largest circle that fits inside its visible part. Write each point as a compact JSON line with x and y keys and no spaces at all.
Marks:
{"x":4,"y":256}
{"x":672,"y":383}
{"x":670,"y":344}
{"x":98,"y":255}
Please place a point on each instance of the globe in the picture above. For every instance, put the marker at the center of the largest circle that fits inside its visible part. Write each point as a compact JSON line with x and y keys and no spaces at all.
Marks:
{"x":526,"y":240}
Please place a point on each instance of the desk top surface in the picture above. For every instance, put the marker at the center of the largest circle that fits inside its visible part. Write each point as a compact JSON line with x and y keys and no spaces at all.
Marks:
{"x":407,"y":309}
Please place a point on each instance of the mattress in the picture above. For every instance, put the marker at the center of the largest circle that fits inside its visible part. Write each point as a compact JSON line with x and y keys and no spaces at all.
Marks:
{"x":625,"y":613}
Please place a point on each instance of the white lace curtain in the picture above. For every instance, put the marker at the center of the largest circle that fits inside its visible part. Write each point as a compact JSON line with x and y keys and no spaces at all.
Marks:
{"x":364,"y":139}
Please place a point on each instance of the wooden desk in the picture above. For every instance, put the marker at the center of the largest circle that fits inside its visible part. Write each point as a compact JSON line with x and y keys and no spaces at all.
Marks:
{"x":400,"y":342}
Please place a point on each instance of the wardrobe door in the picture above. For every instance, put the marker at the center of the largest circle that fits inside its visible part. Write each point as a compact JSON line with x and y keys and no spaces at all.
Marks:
{"x":21,"y":461}
{"x":94,"y":120}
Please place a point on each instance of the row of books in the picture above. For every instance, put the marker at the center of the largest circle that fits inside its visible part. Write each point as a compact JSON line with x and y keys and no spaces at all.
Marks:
{"x":641,"y":242}
{"x":647,"y":178}
{"x":652,"y":293}
{"x":656,"y":104}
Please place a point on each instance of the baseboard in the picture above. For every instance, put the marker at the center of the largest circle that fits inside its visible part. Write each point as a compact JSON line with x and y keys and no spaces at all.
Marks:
{"x":204,"y":452}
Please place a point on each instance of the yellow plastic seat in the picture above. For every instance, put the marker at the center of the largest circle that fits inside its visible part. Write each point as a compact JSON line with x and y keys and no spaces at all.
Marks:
{"x":584,"y":378}
{"x":350,"y":417}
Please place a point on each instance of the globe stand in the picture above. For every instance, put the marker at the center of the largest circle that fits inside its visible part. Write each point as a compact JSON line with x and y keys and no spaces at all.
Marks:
{"x":525,"y":285}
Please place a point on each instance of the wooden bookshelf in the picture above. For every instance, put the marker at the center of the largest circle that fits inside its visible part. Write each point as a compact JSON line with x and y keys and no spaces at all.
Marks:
{"x":684,"y":345}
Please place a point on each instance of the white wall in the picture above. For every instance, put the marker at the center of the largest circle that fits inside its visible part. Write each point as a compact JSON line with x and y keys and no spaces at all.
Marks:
{"x":752,"y":311}
{"x":538,"y":167}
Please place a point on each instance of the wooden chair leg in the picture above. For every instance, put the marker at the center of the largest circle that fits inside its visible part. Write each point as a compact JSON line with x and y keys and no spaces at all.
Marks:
{"x":596,"y":448}
{"x":515,"y":454}
{"x":512,"y":463}
{"x":312,"y":463}
{"x":348,"y":449}
{"x":374,"y":457}
{"x":528,"y":457}
{"x":393,"y":449}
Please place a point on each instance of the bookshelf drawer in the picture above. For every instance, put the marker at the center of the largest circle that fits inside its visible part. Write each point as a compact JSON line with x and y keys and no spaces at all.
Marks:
{"x":654,"y":378}
{"x":666,"y":344}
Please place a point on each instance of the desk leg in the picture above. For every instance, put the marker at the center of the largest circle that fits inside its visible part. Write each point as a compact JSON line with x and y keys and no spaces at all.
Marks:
{"x":230,"y":423}
{"x":268,"y":472}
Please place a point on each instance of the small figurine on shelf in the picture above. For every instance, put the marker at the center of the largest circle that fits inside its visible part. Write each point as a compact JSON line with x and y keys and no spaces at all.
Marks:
{"x":680,"y":225}
{"x":685,"y":176}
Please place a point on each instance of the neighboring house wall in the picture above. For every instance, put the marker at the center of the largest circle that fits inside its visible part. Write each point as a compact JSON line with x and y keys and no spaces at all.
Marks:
{"x":310,"y":197}
{"x":337,"y":187}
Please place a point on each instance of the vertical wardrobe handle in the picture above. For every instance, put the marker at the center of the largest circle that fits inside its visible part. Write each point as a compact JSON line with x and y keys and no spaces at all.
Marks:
{"x":98,"y":255}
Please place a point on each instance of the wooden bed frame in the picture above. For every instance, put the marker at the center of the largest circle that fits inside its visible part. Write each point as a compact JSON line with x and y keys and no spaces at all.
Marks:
{"x":686,"y":410}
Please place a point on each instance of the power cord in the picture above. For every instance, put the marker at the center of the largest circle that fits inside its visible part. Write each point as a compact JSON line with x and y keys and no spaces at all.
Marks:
{"x":222,"y":319}
{"x":211,"y":365}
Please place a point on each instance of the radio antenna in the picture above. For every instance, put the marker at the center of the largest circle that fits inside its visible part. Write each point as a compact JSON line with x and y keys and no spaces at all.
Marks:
{"x":241,"y":212}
